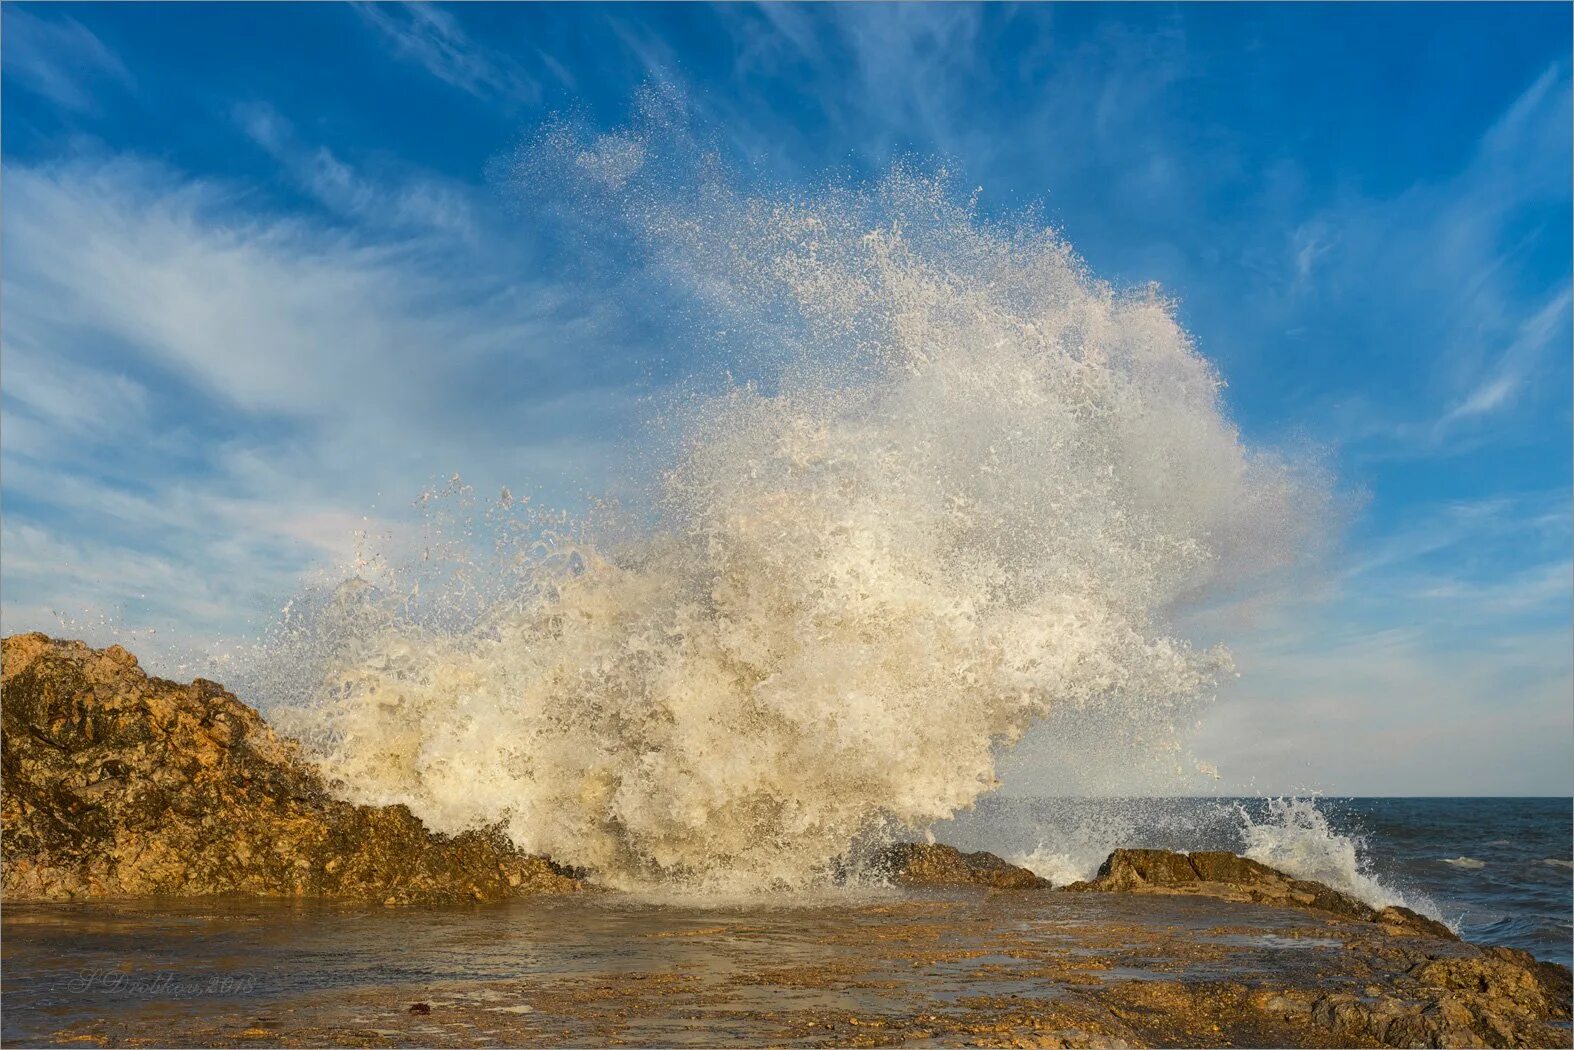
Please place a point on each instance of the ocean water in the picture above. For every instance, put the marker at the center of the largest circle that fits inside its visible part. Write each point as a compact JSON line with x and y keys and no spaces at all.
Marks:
{"x":1498,"y":870}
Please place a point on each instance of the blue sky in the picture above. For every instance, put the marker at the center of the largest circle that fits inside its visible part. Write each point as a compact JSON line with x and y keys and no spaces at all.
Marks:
{"x":259,"y":293}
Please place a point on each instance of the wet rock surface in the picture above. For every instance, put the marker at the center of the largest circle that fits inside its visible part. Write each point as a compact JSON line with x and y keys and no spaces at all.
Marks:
{"x":952,"y":967}
{"x":118,"y":784}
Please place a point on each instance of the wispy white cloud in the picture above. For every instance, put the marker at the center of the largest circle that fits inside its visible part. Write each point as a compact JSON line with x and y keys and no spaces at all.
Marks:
{"x":57,"y":56}
{"x":1483,"y":342}
{"x":432,"y":37}
{"x":1514,"y":366}
{"x":1545,"y":588}
{"x":910,"y":60}
{"x":1469,"y":532}
{"x":897,"y":78}
{"x":1310,"y":242}
{"x":204,"y":403}
{"x":415,"y":201}
{"x":245,"y":307}
{"x":657,"y":61}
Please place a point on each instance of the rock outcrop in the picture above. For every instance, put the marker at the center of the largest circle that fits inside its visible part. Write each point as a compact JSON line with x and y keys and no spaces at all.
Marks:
{"x":931,"y":864}
{"x":1424,"y":987}
{"x":1231,"y":877}
{"x":1499,"y":997}
{"x":118,"y":784}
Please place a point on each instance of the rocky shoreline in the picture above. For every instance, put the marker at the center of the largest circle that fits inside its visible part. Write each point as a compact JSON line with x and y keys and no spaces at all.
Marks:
{"x":119,"y":785}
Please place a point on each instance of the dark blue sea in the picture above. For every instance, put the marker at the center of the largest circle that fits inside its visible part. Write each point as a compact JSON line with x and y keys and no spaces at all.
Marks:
{"x":1497,"y":869}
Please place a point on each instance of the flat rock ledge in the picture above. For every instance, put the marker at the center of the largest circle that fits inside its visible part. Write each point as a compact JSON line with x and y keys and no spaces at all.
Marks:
{"x":118,"y":784}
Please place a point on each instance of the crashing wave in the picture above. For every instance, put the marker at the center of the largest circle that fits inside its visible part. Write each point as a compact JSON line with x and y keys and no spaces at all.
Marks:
{"x":977,"y":488}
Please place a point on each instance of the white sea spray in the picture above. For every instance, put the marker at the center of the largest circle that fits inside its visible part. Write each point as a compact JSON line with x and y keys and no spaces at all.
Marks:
{"x":977,"y":486}
{"x":1295,"y":836}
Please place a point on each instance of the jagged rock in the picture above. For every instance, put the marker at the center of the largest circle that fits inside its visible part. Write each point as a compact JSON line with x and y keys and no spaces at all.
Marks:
{"x":920,"y":864}
{"x":117,"y":784}
{"x":1231,"y":877}
{"x":1498,"y":997}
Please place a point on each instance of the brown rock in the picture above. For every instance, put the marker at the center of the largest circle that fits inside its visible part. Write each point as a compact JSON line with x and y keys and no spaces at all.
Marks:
{"x":1462,"y":996}
{"x":118,"y":784}
{"x":920,"y":864}
{"x":1404,"y":919}
{"x":1127,"y":869}
{"x":1508,"y":978}
{"x":1481,"y":997}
